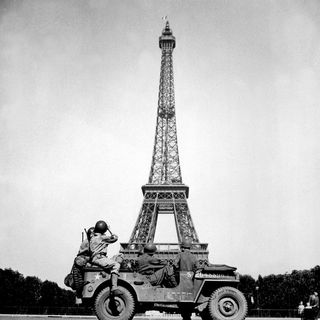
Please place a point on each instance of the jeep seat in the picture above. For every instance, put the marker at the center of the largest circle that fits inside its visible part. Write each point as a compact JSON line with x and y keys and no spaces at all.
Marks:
{"x":218,"y":267}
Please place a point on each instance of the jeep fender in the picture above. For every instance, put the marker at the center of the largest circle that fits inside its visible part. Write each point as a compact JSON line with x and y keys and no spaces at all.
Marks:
{"x":98,"y":281}
{"x":207,"y":286}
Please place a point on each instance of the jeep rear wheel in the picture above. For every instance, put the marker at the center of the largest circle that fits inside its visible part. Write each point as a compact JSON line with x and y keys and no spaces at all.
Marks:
{"x":227,"y":303}
{"x":117,"y":306}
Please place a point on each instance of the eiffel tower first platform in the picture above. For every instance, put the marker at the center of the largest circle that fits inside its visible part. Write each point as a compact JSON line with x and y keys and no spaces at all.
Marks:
{"x":165,"y":192}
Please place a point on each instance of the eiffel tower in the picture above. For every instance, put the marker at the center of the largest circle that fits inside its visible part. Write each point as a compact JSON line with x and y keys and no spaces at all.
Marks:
{"x":165,"y":192}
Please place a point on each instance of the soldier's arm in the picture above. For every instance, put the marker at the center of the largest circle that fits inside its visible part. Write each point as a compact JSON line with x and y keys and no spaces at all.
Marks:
{"x":109,"y":239}
{"x":176,"y":262}
{"x":84,"y":247}
{"x":157,"y":262}
{"x":196,"y":265}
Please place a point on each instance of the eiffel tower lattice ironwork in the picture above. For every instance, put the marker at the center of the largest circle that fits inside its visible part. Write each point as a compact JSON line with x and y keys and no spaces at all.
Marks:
{"x":165,"y":192}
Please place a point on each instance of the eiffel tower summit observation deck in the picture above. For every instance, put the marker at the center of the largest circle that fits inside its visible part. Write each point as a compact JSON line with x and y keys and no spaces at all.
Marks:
{"x":165,"y":193}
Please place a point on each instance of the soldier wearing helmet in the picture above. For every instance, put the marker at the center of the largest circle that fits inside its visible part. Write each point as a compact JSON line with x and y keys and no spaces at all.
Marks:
{"x":150,"y":249}
{"x":84,"y":247}
{"x":147,"y":262}
{"x":158,"y":272}
{"x":98,"y":247}
{"x":101,"y":227}
{"x":80,"y":261}
{"x":185,"y":260}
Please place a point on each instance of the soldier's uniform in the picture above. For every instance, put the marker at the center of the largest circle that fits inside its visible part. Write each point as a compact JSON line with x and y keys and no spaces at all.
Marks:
{"x":99,"y":251}
{"x":83,"y":255}
{"x":80,"y":261}
{"x":99,"y":247}
{"x":157,"y":271}
{"x":185,"y":260}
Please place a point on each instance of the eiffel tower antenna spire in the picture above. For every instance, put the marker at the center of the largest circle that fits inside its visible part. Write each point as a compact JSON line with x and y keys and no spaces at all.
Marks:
{"x":165,"y":193}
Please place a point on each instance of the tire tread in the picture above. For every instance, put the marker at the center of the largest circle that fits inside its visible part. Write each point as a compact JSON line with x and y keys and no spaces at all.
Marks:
{"x":237,"y":295}
{"x":130,"y":303}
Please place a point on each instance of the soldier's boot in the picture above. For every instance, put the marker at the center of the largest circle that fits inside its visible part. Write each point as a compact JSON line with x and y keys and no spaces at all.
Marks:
{"x":78,"y":296}
{"x":114,"y":282}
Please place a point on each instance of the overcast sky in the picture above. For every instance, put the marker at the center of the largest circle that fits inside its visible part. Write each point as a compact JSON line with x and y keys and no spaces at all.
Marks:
{"x":78,"y":100}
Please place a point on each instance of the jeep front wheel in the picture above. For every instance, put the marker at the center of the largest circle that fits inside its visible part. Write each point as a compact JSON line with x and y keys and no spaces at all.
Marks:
{"x":116,"y":306}
{"x":227,"y":303}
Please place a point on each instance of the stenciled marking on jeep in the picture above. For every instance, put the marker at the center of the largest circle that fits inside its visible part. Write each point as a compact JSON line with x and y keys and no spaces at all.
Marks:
{"x":201,"y":275}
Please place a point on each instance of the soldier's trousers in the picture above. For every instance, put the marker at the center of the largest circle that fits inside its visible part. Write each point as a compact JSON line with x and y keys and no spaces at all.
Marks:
{"x":105,"y":262}
{"x":164,"y":276}
{"x":78,"y":279}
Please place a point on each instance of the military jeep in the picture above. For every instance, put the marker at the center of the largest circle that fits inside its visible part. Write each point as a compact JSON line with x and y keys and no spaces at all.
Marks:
{"x":211,"y":292}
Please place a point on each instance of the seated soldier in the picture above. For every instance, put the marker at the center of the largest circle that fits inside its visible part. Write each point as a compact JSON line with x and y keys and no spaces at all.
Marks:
{"x":80,"y":261}
{"x":157,"y":271}
{"x":84,"y":253}
{"x":98,"y":247}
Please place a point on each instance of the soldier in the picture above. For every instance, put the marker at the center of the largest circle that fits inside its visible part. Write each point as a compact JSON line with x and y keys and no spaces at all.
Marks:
{"x":185,"y":260}
{"x":80,"y":261}
{"x":157,"y":271}
{"x":98,"y":247}
{"x":84,"y":253}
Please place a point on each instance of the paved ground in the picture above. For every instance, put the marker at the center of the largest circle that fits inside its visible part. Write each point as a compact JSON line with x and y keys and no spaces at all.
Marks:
{"x":43,"y":317}
{"x":52,"y":317}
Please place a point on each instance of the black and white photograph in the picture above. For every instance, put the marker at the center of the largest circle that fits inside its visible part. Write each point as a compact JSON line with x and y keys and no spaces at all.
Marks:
{"x":160,"y":159}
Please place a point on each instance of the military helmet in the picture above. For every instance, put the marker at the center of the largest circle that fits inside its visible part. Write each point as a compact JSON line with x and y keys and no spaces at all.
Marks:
{"x":186,"y":244}
{"x":101,"y":227}
{"x":149,"y":248}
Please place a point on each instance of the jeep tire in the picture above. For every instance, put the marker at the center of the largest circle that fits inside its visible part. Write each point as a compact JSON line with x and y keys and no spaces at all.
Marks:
{"x":119,"y":305}
{"x":227,"y":303}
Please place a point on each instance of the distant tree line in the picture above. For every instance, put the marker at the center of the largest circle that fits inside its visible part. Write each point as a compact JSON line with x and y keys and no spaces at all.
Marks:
{"x":283,"y":291}
{"x":17,"y":291}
